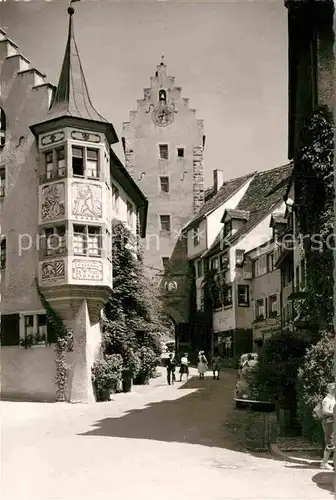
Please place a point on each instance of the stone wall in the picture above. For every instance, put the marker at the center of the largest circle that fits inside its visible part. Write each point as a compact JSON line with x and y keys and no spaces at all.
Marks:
{"x":29,"y":373}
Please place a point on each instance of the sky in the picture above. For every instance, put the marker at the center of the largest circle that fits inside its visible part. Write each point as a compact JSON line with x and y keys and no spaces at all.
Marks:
{"x":229,"y":57}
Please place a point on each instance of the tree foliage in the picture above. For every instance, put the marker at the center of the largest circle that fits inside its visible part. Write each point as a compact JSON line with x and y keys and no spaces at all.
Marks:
{"x":133,"y":322}
{"x":276,"y":372}
{"x":314,"y":199}
{"x":317,"y":369}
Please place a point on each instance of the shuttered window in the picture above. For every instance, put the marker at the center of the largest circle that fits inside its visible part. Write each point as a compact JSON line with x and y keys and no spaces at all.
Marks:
{"x":10,"y":329}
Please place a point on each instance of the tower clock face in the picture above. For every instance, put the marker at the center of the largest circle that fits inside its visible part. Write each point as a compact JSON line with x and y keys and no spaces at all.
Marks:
{"x":163,"y":116}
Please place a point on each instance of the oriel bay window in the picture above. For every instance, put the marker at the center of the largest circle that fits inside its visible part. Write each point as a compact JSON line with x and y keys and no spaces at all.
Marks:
{"x":85,"y":162}
{"x":87,"y":240}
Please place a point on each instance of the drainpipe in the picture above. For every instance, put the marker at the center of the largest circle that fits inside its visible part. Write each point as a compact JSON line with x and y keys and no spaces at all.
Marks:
{"x":334,"y":160}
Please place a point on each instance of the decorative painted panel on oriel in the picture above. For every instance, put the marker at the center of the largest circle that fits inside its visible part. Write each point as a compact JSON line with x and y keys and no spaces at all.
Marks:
{"x":53,"y":202}
{"x":85,"y":136}
{"x":50,"y":139}
{"x":51,"y":272}
{"x":87,"y":270}
{"x":86,"y":201}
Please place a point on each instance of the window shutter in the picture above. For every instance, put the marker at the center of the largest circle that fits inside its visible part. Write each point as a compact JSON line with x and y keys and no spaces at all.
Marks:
{"x":278,"y":304}
{"x":253,"y":310}
{"x":51,"y":333}
{"x":10,"y":329}
{"x":266,"y":306}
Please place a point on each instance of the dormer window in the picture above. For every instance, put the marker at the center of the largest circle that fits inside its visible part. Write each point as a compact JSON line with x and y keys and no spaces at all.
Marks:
{"x":3,"y":128}
{"x":162,"y":95}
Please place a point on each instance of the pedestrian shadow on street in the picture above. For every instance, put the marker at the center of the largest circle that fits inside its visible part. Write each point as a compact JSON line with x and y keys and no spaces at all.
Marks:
{"x":196,"y":413}
{"x":325,"y":480}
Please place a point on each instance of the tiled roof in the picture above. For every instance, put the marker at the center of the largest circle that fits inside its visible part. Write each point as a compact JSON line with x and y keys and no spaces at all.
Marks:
{"x":72,"y":96}
{"x":259,"y":199}
{"x":228,"y":189}
{"x":209,"y":193}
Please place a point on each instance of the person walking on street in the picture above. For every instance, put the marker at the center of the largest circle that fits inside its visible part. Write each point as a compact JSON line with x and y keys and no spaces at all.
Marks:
{"x":216,"y":360}
{"x":184,"y":367}
{"x":171,"y":364}
{"x":327,"y":408}
{"x":202,"y":364}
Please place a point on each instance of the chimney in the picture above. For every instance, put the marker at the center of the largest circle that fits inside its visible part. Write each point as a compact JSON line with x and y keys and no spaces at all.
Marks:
{"x":218,"y":179}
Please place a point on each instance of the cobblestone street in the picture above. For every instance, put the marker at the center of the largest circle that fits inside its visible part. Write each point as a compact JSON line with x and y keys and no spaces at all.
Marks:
{"x":158,"y":442}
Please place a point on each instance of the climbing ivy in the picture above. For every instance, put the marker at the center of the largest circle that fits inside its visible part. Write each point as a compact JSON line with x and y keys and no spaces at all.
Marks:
{"x":64,"y":343}
{"x":314,"y":200}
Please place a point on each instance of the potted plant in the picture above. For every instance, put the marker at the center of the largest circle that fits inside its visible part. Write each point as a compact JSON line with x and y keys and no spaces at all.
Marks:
{"x":106,"y":372}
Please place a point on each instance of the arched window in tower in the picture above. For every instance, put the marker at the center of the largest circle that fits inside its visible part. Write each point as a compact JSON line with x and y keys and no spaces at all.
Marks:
{"x":2,"y":128}
{"x":162,"y":95}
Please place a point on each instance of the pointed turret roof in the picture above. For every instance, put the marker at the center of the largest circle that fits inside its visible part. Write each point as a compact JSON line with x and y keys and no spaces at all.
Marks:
{"x":71,"y":98}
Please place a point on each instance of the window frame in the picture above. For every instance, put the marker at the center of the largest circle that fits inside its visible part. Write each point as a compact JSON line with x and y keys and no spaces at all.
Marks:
{"x":271,"y":312}
{"x":86,"y":240}
{"x":162,"y":184}
{"x":130,"y":212}
{"x":196,"y":234}
{"x":2,"y":181}
{"x":54,"y":231}
{"x":227,"y":229}
{"x":165,"y":231}
{"x":245,"y":303}
{"x":199,"y":268}
{"x":260,"y":305}
{"x":35,"y":328}
{"x":178,"y":149}
{"x":3,"y":252}
{"x":115,"y":198}
{"x":270,"y":266}
{"x":3,"y":128}
{"x":85,"y":160}
{"x":163,"y":147}
{"x":212,"y":261}
{"x":227,"y":292}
